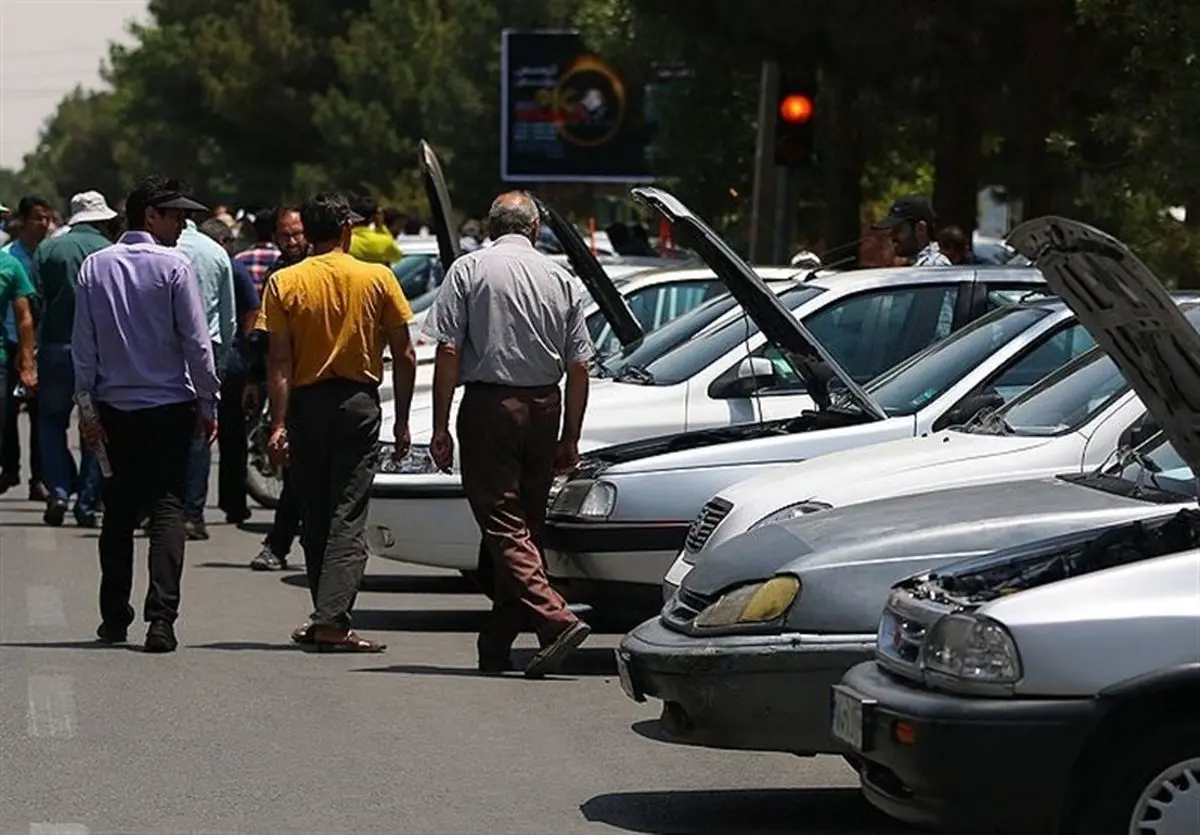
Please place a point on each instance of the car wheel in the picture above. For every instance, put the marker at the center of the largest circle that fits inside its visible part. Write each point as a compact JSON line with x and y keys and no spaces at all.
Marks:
{"x":1151,"y":788}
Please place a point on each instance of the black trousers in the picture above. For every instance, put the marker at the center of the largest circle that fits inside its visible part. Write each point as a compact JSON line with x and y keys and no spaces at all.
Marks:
{"x":148,"y":450}
{"x":287,"y":519}
{"x":333,"y":434}
{"x":10,"y":439}
{"x":231,"y":448}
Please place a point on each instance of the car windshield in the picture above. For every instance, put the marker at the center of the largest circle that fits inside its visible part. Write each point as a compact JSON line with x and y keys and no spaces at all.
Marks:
{"x":671,"y":354}
{"x":1156,"y":464}
{"x":1070,"y":397}
{"x":909,"y":386}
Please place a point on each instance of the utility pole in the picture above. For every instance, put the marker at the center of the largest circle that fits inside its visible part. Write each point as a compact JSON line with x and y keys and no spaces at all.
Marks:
{"x":764,"y":209}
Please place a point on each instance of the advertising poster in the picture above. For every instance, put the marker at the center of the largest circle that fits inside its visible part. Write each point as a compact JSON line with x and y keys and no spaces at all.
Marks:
{"x":567,"y":115}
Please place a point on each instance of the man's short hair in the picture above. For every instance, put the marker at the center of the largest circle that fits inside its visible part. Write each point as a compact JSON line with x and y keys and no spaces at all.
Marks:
{"x":324,"y":215}
{"x":264,"y":224}
{"x":512,"y":213}
{"x":218,"y":230}
{"x":28,"y":204}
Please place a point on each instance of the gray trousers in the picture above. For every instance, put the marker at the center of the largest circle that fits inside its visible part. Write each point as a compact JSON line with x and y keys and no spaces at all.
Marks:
{"x":333,"y":432}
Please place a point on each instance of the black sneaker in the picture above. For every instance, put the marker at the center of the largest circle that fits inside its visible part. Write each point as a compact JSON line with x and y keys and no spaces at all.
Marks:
{"x":8,"y":481}
{"x":196,"y":529}
{"x":108,"y":633}
{"x":56,"y":511}
{"x":160,"y":637}
{"x":268,"y":560}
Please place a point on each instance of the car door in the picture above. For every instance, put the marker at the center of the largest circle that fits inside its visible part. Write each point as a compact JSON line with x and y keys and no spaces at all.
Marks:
{"x":866,"y":333}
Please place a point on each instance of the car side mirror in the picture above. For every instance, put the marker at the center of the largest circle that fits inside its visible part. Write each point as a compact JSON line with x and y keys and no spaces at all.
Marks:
{"x":1140,"y":431}
{"x":745,"y":378}
{"x":964,"y":410}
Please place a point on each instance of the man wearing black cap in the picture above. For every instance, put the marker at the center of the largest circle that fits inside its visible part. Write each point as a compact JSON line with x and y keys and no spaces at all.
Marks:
{"x":141,"y":351}
{"x":911,"y":222}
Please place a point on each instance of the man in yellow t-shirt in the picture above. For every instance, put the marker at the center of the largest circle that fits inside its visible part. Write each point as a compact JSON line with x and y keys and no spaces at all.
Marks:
{"x":329,"y":319}
{"x":370,"y":241}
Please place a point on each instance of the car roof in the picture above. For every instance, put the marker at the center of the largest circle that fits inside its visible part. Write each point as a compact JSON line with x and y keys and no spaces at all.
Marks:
{"x":856,"y":279}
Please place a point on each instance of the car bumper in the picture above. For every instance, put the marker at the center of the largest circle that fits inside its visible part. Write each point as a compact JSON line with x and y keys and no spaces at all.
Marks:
{"x":637,"y":554}
{"x":424,"y":520}
{"x":752,"y":692}
{"x":968,"y":758}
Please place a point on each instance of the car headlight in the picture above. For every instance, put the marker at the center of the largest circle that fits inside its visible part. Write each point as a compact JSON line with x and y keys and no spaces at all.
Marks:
{"x":791,"y":512}
{"x":417,"y":462}
{"x":971,"y":652}
{"x":756,"y":603}
{"x":556,"y":487}
{"x":586,"y":498}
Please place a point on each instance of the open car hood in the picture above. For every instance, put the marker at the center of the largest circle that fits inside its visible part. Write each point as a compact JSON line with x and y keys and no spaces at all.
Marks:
{"x":440,"y":209}
{"x":609,"y":300}
{"x":810,"y":359}
{"x":1130,"y":315}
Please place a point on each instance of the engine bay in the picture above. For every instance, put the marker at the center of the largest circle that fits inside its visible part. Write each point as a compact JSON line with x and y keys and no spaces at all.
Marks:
{"x":1122,"y":545}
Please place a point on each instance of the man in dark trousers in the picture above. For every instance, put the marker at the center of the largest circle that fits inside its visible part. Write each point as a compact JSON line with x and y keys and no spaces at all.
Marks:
{"x":142,"y":351}
{"x":509,"y":324}
{"x":330,"y":317}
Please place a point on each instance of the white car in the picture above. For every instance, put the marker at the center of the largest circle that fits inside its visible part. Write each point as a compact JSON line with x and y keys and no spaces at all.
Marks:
{"x":725,"y":373}
{"x":1073,"y":420}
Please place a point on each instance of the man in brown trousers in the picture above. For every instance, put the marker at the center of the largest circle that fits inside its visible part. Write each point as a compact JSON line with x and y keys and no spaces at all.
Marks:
{"x":509,"y":324}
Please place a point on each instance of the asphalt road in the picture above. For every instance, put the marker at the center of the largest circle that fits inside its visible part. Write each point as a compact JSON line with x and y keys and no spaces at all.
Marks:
{"x":239,"y":732}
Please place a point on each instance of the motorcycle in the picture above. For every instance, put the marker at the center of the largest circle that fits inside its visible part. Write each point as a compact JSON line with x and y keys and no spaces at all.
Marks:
{"x":264,"y":481}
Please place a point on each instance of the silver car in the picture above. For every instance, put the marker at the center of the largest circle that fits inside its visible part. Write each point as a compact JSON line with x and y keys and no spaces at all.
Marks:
{"x":745,"y":652}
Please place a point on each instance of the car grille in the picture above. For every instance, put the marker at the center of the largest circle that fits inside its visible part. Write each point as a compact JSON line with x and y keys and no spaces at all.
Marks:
{"x":683,"y":608}
{"x":705,"y":523}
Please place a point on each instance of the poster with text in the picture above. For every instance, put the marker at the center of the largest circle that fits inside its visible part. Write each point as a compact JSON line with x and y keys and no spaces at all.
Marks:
{"x":567,"y":115}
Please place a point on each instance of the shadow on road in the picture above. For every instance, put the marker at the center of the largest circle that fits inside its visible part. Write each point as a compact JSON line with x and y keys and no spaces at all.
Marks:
{"x":242,"y":646}
{"x":418,"y":620}
{"x":398,"y":583}
{"x":811,"y":811}
{"x":583,"y":662}
{"x":132,"y":646}
{"x":262,"y":528}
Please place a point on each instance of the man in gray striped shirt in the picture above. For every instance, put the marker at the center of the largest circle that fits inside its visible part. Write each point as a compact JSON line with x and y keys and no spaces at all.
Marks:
{"x":509,"y":325}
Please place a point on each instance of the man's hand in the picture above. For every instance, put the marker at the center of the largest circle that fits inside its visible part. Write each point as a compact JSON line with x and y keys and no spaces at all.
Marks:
{"x":441,"y":449}
{"x":206,"y":429}
{"x":403,"y":441}
{"x":29,"y":378}
{"x":277,"y":447}
{"x":93,"y":433}
{"x":566,"y":457}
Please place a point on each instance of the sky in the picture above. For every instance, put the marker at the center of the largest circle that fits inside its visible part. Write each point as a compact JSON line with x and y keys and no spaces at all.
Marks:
{"x":46,"y":48}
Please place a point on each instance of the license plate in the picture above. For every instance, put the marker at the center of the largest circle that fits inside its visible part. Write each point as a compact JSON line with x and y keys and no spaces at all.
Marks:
{"x":849,"y":712}
{"x":626,"y":677}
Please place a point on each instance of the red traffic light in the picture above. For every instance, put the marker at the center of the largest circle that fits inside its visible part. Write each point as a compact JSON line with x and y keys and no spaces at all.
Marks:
{"x":795,"y":108}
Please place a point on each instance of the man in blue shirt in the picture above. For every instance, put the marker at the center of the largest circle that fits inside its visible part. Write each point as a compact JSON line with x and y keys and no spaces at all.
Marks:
{"x":16,"y":292}
{"x":214,"y":270}
{"x":33,"y":218}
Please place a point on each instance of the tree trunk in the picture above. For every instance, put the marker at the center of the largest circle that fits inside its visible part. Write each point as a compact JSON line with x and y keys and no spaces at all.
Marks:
{"x":1045,"y":45}
{"x":957,"y":150}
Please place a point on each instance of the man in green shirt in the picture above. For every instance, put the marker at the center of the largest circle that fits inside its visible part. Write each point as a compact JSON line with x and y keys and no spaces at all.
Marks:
{"x":16,"y":290}
{"x":56,"y":266}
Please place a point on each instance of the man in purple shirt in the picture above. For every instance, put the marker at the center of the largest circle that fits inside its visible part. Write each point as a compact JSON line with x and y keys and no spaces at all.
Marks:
{"x":141,"y":349}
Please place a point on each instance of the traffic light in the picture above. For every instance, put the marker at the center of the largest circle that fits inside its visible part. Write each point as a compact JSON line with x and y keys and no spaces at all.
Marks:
{"x":794,"y":118}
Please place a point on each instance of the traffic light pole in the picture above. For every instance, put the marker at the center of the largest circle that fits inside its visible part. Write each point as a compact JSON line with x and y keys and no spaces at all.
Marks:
{"x":764,"y":210}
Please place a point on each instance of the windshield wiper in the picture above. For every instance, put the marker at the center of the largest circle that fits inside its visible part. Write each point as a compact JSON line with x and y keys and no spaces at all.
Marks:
{"x":599,"y":369}
{"x":635,"y":374}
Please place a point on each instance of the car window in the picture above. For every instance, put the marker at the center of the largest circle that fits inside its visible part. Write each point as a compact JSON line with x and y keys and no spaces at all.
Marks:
{"x":1052,"y":353}
{"x":909,"y":386}
{"x":1066,"y":399}
{"x":869,"y":333}
{"x":418,"y":273}
{"x":675,"y":352}
{"x":653,"y":306}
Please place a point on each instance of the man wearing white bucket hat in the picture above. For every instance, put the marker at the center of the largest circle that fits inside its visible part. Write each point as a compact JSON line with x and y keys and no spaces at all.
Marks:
{"x":56,"y":271}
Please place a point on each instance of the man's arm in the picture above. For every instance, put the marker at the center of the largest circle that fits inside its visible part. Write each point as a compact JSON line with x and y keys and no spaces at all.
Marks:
{"x":445,"y":380}
{"x":279,"y":377}
{"x":84,"y":353}
{"x":575,"y":405}
{"x":26,"y":368}
{"x":404,"y":369}
{"x":191,"y":325}
{"x":446,"y":323}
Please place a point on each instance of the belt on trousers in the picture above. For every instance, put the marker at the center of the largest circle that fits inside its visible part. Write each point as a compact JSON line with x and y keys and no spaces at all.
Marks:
{"x":506,"y":387}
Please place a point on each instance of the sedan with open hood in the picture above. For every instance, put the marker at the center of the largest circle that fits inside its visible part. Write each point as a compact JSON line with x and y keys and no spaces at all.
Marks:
{"x":744,"y":653}
{"x":728,"y":371}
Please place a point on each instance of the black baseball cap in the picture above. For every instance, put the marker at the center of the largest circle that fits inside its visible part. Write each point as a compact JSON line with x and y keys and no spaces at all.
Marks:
{"x":907,"y":209}
{"x":175,"y":200}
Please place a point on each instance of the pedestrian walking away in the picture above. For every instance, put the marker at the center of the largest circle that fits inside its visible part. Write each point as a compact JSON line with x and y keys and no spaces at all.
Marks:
{"x":231,"y":439}
{"x":142,"y":351}
{"x":56,"y":271}
{"x":16,"y":293}
{"x":285,"y":526}
{"x":34,"y":218}
{"x":329,"y":318}
{"x":214,"y":271}
{"x":509,"y":324}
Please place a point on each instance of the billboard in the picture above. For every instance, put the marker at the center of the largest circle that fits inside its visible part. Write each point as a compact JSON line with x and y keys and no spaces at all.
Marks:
{"x":566,"y":115}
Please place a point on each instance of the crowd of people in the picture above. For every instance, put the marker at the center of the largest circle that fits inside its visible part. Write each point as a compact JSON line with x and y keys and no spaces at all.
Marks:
{"x":168,"y":332}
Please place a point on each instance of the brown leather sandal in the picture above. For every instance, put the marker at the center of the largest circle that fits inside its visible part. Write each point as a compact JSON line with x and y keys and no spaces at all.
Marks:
{"x":348,"y":641}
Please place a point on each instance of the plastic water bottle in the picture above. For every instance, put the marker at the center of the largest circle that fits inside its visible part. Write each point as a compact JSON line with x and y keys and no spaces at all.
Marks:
{"x":88,"y":411}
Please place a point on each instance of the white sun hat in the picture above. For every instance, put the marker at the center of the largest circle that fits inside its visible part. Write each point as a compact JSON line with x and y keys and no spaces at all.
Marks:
{"x":89,"y":206}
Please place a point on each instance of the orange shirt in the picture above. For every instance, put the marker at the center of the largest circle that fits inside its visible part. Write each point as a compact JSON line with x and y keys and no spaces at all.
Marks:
{"x":336,"y":311}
